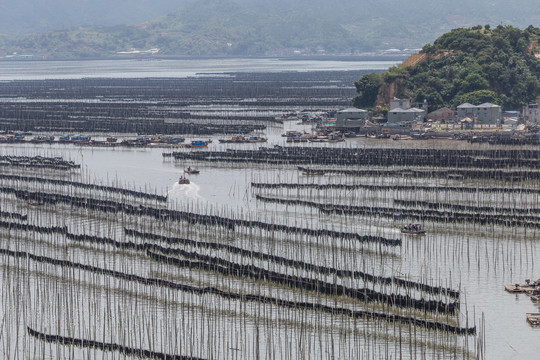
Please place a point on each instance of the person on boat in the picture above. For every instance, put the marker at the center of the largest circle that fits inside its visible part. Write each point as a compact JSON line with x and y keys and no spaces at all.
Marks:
{"x":528,"y":281}
{"x":189,"y":168}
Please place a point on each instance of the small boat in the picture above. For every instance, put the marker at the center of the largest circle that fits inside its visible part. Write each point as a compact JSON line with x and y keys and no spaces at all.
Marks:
{"x":413,"y":229}
{"x":183,"y":180}
{"x":312,"y":172}
{"x":533,"y":319}
{"x":198,"y":144}
{"x":42,"y":139}
{"x":238,"y":139}
{"x":256,"y":139}
{"x":535,"y":295}
{"x":189,"y":170}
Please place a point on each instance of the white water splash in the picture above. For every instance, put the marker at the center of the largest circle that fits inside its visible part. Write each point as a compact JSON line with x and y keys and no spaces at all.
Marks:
{"x":180,"y":191}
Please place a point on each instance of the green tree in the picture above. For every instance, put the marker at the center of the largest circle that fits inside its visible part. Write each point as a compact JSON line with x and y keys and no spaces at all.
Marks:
{"x":471,"y":65}
{"x":473,"y":82}
{"x":367,"y":88}
{"x":480,"y":97}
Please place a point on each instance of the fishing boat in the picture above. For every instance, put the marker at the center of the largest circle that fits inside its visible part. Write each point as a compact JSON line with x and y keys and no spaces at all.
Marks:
{"x":413,"y":229}
{"x":183,"y":180}
{"x":189,"y":170}
{"x":39,"y":139}
{"x":238,"y":139}
{"x":533,"y":319}
{"x":535,"y":295}
{"x":198,"y":144}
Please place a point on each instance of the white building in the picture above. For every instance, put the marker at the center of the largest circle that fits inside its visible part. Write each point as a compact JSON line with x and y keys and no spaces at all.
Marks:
{"x":486,"y":113}
{"x":396,"y":103}
{"x":412,"y":115}
{"x":530,"y":112}
{"x":351,"y":117}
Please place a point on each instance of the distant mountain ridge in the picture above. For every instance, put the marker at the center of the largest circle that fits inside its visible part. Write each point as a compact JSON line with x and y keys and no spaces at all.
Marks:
{"x":251,"y":27}
{"x":33,"y":16}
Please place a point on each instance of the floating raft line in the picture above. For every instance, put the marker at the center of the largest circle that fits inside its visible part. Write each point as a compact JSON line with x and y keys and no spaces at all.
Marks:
{"x":247,"y":297}
{"x":84,"y":186}
{"x":438,"y":158}
{"x":318,"y":286}
{"x":519,"y":190}
{"x":85,"y":343}
{"x":216,"y":264}
{"x":416,"y":214}
{"x":289,"y":262}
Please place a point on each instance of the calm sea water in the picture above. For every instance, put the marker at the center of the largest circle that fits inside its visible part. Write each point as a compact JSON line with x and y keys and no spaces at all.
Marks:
{"x":32,"y":70}
{"x":480,"y":261}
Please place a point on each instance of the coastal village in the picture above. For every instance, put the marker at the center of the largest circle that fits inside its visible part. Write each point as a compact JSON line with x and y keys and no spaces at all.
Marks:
{"x":408,"y":120}
{"x":405,"y":120}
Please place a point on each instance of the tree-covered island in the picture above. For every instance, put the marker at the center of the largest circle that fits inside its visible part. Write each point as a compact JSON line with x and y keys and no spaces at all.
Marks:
{"x":499,"y":65}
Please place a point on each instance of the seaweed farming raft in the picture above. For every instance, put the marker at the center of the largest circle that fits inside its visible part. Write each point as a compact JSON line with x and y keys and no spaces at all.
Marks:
{"x":121,"y":272}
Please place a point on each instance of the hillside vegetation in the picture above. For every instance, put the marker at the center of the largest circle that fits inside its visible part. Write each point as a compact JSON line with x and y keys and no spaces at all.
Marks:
{"x":241,"y":27}
{"x":500,"y":65}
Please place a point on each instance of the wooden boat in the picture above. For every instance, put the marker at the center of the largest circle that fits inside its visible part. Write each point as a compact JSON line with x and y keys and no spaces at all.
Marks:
{"x":530,"y":287}
{"x":42,"y":139}
{"x":413,"y":229}
{"x":183,"y":180}
{"x":535,"y":295}
{"x":519,"y":288}
{"x":191,"y":171}
{"x":242,"y":140}
{"x":313,"y":172}
{"x":533,"y":319}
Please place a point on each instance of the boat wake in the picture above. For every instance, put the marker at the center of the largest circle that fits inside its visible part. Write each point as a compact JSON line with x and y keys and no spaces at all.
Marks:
{"x":190,"y":190}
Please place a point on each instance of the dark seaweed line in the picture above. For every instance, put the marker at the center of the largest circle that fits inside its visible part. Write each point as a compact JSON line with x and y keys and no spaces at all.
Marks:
{"x":85,"y":186}
{"x":106,"y":346}
{"x":295,"y":263}
{"x":473,"y":190}
{"x":38,"y":162}
{"x":475,"y":209}
{"x":245,"y":297}
{"x":29,"y":227}
{"x":436,"y":173}
{"x":263,"y":274}
{"x":166,"y":214}
{"x":225,"y":267}
{"x":484,"y":159}
{"x":320,"y":287}
{"x":14,"y":215}
{"x":39,"y":166}
{"x":115,"y":207}
{"x":419,"y":214}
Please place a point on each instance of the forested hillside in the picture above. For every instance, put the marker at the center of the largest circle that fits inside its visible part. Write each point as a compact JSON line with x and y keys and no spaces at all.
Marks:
{"x":500,"y":65}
